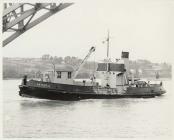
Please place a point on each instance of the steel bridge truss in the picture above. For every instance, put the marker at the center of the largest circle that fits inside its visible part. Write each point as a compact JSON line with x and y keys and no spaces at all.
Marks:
{"x":20,"y":17}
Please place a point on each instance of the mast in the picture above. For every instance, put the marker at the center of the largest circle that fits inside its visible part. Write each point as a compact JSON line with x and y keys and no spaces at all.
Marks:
{"x":108,"y":39}
{"x":108,"y":45}
{"x":107,"y":58}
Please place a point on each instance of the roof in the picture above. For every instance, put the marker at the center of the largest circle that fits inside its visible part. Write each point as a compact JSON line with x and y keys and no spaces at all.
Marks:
{"x":64,"y":68}
{"x":112,"y":67}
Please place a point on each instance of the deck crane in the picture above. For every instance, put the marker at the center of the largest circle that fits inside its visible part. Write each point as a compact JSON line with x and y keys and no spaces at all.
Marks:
{"x":20,"y":17}
{"x":92,"y":49}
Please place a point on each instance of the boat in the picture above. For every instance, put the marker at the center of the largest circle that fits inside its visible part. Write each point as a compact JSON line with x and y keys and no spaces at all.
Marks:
{"x":116,"y":81}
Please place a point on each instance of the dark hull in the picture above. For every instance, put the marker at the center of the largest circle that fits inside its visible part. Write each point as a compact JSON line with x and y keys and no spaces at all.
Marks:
{"x":73,"y":92}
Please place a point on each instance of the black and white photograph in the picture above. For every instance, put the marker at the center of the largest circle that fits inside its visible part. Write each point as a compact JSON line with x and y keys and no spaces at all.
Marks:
{"x":87,"y":69}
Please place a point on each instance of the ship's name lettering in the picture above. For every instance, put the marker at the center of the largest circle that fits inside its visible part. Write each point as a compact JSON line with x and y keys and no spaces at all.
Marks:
{"x":43,"y":85}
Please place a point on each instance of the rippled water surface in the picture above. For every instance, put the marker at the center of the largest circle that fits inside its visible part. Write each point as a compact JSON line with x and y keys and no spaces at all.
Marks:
{"x":119,"y":118}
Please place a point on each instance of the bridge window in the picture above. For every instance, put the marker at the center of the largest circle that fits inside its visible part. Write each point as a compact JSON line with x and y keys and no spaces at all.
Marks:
{"x":58,"y":74}
{"x":69,"y":75}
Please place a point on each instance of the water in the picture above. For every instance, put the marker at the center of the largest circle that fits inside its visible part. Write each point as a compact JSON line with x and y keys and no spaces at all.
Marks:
{"x":106,"y":118}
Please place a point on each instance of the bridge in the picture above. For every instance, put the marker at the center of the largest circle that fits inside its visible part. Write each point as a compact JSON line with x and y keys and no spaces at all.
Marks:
{"x":20,"y":17}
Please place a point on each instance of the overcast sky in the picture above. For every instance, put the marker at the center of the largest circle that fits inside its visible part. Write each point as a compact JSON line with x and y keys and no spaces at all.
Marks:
{"x":145,"y":28}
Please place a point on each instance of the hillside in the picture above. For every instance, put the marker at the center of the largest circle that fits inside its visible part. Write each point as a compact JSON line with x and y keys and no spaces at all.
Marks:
{"x":17,"y":67}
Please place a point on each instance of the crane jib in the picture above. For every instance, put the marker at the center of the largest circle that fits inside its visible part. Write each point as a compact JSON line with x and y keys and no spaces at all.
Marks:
{"x":92,"y":49}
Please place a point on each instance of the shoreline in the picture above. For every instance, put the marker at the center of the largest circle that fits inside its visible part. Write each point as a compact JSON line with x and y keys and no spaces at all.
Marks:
{"x":149,"y":78}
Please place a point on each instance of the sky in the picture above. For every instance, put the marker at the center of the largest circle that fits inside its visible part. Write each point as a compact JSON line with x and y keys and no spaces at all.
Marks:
{"x":142,"y":27}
